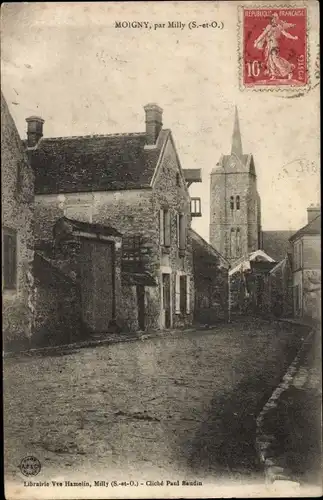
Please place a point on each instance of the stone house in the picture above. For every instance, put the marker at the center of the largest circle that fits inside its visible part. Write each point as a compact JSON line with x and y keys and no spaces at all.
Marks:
{"x":17,"y":190}
{"x":306,"y":267}
{"x":278,"y":289}
{"x":135,"y":184}
{"x":211,"y":273}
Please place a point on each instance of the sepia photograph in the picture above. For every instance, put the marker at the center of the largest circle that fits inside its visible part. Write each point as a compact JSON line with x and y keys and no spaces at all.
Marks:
{"x":161,"y":249}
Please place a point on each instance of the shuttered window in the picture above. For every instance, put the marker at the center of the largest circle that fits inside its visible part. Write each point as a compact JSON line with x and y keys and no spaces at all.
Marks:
{"x":182,"y":232}
{"x":183,"y":290}
{"x":9,"y":259}
{"x":188,"y":295}
{"x":165,"y":227}
{"x":161,"y":227}
{"x":177,"y":230}
{"x":182,"y":294}
{"x":177,"y":294}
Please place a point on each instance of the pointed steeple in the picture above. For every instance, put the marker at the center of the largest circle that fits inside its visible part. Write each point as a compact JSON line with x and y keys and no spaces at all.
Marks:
{"x":236,"y":147}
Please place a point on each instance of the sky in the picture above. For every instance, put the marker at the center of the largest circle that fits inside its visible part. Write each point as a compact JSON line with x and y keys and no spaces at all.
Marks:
{"x":69,"y":64}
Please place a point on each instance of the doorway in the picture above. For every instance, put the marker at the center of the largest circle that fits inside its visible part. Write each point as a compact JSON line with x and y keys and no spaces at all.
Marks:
{"x":97,"y":284}
{"x":166,"y":300}
{"x":141,"y":306}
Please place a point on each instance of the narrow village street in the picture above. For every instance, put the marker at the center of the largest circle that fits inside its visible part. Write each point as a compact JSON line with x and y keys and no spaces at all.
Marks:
{"x":179,"y":404}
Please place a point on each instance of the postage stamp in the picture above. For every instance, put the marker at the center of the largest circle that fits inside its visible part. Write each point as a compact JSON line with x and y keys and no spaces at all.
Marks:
{"x":273,"y":47}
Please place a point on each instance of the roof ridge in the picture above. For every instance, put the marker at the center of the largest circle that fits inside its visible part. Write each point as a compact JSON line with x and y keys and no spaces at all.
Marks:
{"x":308,"y":225}
{"x":91,"y":136}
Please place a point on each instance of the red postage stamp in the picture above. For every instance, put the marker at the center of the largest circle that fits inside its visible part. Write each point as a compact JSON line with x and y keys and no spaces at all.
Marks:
{"x":274,"y":47}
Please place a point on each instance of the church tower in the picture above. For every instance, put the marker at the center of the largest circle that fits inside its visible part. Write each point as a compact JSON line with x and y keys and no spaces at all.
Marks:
{"x":235,"y":212}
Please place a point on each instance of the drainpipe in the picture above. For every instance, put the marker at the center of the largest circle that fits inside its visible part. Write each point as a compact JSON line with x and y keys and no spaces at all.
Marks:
{"x":229,"y":296}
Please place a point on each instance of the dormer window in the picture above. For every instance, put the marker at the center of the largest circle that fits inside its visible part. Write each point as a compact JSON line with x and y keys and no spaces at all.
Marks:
{"x":238,"y":202}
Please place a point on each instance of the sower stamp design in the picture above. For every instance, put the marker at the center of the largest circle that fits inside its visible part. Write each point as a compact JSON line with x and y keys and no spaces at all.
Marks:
{"x":274,"y":47}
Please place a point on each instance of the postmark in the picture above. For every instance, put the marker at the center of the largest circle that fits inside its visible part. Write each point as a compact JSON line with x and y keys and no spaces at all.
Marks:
{"x":30,"y":466}
{"x":273,"y":48}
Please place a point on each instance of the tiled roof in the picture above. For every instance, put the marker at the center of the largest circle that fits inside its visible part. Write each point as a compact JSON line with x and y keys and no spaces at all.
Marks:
{"x":94,"y":163}
{"x":275,"y":243}
{"x":313,"y":227}
{"x":226,"y":158}
{"x":242,"y":163}
{"x":89,"y":227}
{"x":48,"y":270}
{"x":203,"y":250}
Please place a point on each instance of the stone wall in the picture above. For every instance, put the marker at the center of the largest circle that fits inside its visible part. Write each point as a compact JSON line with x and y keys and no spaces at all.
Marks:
{"x":312,"y":295}
{"x":171,"y":191}
{"x":17,"y":189}
{"x":58,"y":308}
{"x":210,"y":283}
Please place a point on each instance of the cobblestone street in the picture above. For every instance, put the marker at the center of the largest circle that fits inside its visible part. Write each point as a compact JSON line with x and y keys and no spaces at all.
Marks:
{"x":186,"y":403}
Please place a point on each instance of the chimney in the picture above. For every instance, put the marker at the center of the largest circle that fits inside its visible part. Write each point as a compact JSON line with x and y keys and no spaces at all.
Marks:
{"x":34,"y":130}
{"x":154,"y":115}
{"x":312,"y":212}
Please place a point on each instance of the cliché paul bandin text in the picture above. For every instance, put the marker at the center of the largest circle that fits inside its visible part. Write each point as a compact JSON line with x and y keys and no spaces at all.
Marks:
{"x":110,"y":484}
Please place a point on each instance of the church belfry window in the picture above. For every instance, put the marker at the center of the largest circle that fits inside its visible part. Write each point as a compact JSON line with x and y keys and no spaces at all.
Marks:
{"x":238,"y":243}
{"x":238,"y":202}
{"x":232,"y":202}
{"x":232,"y":243}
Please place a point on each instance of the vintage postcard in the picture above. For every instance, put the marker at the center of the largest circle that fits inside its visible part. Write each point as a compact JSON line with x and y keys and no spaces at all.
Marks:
{"x":161,"y":236}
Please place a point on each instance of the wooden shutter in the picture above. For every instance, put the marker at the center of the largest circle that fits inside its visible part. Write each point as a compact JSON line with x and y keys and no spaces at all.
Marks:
{"x":161,"y":227}
{"x":177,"y":230}
{"x":177,"y":294}
{"x":183,"y":231}
{"x":183,"y":293}
{"x":188,"y":294}
{"x":9,"y":259}
{"x":167,"y":228}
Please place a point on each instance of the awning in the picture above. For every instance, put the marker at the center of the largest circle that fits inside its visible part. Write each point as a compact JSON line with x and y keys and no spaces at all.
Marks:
{"x":143,"y":279}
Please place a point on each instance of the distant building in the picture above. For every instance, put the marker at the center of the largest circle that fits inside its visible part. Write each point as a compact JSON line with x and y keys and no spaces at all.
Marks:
{"x":17,"y":190}
{"x":210,"y":282}
{"x":235,"y":210}
{"x":306,"y":267}
{"x":248,"y":278}
{"x":260,"y":274}
{"x":135,"y":184}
